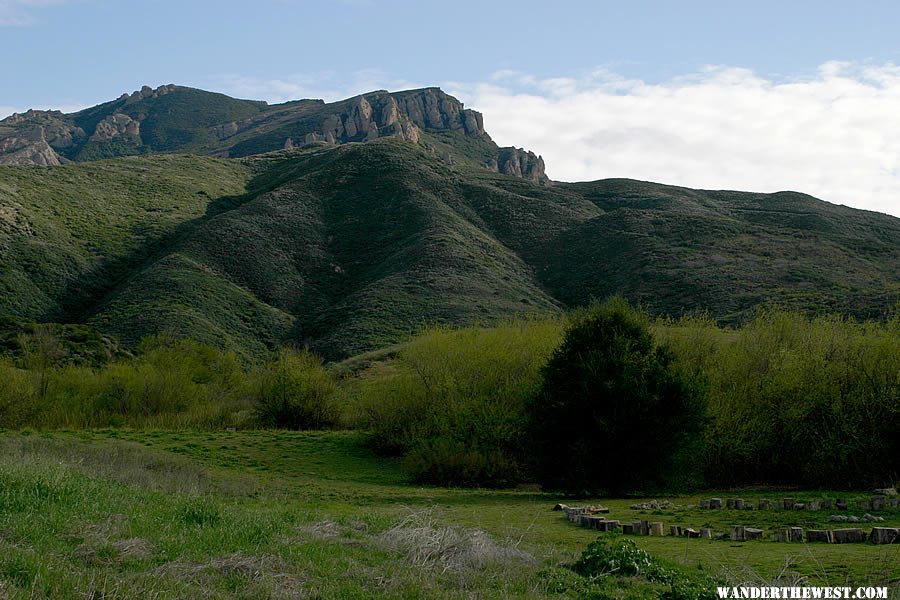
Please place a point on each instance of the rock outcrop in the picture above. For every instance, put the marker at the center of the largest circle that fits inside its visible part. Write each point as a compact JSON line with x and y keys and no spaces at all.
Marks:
{"x":33,"y":138}
{"x":520,"y":163}
{"x":28,"y":147}
{"x":118,"y":126}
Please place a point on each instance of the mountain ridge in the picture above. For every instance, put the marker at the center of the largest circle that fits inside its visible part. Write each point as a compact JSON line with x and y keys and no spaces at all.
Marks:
{"x":173,"y":118}
{"x":361,"y":233}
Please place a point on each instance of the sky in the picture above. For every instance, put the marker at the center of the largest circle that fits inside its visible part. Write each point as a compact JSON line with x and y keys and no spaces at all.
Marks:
{"x":759,"y":96}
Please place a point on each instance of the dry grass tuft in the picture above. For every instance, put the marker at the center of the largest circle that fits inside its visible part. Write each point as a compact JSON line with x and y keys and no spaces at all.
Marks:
{"x":133,"y":549}
{"x":429,"y":544}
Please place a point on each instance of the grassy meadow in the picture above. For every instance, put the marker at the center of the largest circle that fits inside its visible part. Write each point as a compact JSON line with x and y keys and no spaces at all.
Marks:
{"x":152,"y":514}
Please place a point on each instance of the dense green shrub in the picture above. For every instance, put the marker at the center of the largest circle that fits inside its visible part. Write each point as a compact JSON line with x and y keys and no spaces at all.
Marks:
{"x":170,"y":383}
{"x":293,"y":392}
{"x":612,"y":556}
{"x":798,"y":400}
{"x":614,"y":413}
{"x":453,"y":401}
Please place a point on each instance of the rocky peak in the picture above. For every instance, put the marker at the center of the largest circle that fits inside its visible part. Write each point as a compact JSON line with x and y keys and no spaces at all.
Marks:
{"x":148,"y":92}
{"x":432,"y":108}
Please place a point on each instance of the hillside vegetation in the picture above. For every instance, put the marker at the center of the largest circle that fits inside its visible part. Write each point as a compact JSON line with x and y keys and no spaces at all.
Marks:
{"x":354,"y":247}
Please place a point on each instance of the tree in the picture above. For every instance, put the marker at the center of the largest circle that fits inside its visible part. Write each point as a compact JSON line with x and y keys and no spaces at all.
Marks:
{"x":294,"y":392}
{"x":614,"y":414}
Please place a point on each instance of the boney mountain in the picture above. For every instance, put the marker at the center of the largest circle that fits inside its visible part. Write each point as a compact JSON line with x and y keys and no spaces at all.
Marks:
{"x":348,"y":225}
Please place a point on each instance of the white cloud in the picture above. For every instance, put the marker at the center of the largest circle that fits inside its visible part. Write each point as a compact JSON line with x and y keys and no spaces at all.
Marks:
{"x":835,"y":135}
{"x":19,"y":13}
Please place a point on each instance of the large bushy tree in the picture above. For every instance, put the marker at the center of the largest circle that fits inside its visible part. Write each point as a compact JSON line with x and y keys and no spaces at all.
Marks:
{"x":614,"y":413}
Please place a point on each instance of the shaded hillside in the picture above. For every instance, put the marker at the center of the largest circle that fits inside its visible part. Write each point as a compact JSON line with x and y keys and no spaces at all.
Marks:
{"x":360,"y":246}
{"x":676,"y":249}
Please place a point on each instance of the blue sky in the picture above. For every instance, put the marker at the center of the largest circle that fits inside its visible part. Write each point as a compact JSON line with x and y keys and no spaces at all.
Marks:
{"x":669,"y":77}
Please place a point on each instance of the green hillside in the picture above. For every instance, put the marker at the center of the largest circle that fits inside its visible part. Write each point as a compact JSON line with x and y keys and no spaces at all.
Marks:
{"x":363,"y":245}
{"x":67,"y":234}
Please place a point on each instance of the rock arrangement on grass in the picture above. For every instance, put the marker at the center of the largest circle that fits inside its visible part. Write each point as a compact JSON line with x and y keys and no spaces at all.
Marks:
{"x":654,"y":505}
{"x":593,"y":517}
{"x":876,"y":502}
{"x":867,"y":518}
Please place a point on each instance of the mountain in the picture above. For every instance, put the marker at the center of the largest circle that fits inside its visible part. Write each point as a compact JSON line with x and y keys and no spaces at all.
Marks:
{"x":172,"y":118}
{"x":285,"y":227}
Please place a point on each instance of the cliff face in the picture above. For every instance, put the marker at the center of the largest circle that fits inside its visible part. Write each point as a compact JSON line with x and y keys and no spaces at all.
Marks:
{"x":33,"y":137}
{"x":173,"y":118}
{"x":521,"y":163}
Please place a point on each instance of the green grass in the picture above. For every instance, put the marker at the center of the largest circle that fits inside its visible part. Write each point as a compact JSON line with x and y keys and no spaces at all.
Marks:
{"x":280,"y":514}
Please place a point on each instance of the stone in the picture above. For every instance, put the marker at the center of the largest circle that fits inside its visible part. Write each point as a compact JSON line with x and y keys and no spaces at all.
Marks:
{"x":674,"y":530}
{"x":656,"y":529}
{"x":691,"y":533}
{"x":608,"y":525}
{"x":628,"y":528}
{"x":737,"y":533}
{"x":813,"y":505}
{"x":885,"y":535}
{"x":752,"y":533}
{"x":788,"y":503}
{"x":748,"y":506}
{"x":885,"y":491}
{"x":559,"y":506}
{"x":704,"y":504}
{"x":818,"y":535}
{"x":838,"y":518}
{"x":827,"y":504}
{"x":729,"y":503}
{"x":738,"y":503}
{"x":877,"y":503}
{"x":596,"y":522}
{"x":706,"y":533}
{"x":796,"y":534}
{"x":715,"y":503}
{"x":871,"y":518}
{"x":764,"y":504}
{"x":645,"y":527}
{"x":841,"y":504}
{"x":782,"y":535}
{"x":799,"y":505}
{"x":848,"y":536}
{"x":893,"y":502}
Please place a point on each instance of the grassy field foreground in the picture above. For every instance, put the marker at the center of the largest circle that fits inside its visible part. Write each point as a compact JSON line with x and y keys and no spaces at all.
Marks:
{"x":262,"y":514}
